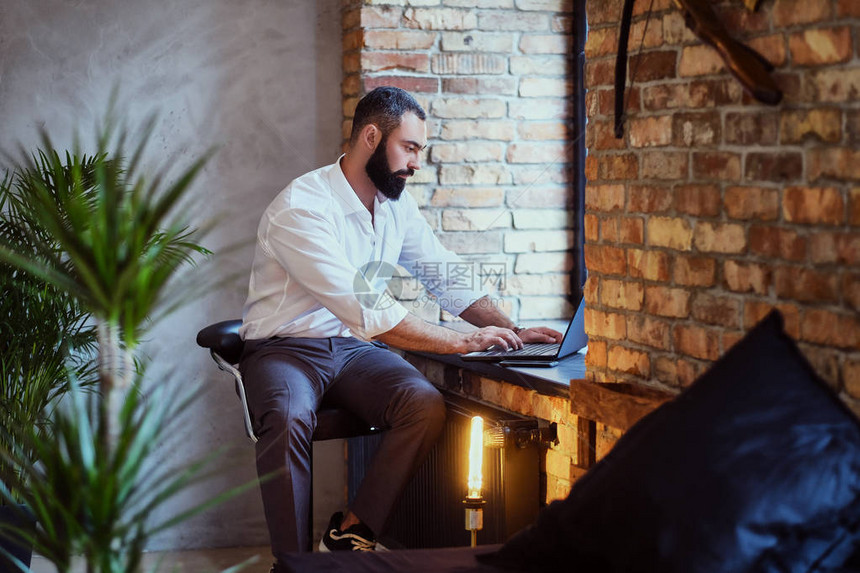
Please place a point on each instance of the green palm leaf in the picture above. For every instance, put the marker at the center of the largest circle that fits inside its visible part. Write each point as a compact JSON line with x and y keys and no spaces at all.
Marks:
{"x":109,"y":234}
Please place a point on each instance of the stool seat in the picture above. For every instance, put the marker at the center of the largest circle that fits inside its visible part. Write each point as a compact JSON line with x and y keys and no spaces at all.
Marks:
{"x":225,"y":346}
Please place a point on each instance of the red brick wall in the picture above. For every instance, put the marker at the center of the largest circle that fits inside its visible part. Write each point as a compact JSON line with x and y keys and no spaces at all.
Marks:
{"x":493,"y":77}
{"x":715,"y":208}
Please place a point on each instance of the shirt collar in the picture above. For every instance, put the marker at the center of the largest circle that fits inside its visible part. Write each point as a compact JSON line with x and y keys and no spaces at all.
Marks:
{"x":343,"y":191}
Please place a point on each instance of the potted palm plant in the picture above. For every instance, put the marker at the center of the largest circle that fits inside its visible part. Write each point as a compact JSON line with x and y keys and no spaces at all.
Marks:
{"x":44,"y":338}
{"x":114,"y":242}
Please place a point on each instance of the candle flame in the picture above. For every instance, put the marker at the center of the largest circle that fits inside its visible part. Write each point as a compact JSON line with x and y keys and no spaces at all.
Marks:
{"x":476,"y":455}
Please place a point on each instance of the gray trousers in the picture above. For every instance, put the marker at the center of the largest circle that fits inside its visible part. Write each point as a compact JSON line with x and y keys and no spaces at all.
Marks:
{"x":286,"y":380}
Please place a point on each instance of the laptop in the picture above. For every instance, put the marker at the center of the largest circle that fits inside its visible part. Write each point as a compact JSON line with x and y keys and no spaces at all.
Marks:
{"x":574,"y":340}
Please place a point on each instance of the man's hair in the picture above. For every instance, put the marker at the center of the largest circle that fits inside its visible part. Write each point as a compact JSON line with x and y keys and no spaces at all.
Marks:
{"x":384,"y":107}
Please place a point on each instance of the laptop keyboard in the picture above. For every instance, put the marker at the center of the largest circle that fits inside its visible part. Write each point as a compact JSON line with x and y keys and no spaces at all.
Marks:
{"x":535,"y":349}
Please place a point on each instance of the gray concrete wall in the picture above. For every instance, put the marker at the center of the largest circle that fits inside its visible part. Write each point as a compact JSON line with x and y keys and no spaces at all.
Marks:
{"x":259,"y":79}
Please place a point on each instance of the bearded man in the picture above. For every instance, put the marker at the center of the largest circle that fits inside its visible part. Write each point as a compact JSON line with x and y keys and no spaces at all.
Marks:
{"x":309,"y":334}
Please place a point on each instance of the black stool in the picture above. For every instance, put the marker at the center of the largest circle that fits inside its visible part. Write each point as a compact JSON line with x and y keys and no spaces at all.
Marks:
{"x":225,"y":346}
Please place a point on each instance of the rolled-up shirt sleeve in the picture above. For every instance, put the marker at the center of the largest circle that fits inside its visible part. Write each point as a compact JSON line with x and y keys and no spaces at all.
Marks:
{"x":422,"y":250}
{"x":306,"y":244}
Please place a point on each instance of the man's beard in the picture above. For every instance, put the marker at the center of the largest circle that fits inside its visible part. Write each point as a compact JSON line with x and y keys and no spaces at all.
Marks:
{"x":389,"y":184}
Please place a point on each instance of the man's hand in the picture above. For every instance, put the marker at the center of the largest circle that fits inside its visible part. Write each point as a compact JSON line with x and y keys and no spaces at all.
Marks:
{"x":488,"y":336}
{"x":540,"y":334}
{"x":491,"y":320}
{"x":412,"y":333}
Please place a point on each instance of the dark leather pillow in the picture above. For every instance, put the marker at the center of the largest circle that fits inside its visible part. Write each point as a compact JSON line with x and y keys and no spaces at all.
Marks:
{"x":755,"y":467}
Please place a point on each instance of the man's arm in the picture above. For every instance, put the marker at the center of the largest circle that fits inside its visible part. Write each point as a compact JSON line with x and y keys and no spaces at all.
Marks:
{"x":412,"y":333}
{"x":483,"y":312}
{"x":494,"y":328}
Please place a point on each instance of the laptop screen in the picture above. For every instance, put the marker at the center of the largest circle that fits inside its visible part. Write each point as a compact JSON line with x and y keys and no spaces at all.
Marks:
{"x":574,"y":340}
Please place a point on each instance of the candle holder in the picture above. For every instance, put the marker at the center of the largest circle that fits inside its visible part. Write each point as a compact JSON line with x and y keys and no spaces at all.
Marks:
{"x":474,"y":516}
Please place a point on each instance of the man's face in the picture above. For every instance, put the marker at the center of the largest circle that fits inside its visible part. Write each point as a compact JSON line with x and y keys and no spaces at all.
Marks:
{"x":396,"y":157}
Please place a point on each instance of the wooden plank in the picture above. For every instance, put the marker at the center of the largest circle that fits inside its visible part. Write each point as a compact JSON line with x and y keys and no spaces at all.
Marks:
{"x":619,"y":405}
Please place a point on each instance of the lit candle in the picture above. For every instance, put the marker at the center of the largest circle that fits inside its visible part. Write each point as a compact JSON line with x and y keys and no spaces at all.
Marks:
{"x":476,"y":455}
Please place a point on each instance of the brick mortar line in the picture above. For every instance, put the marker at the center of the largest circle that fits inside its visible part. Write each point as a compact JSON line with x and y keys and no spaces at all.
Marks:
{"x":807,"y":232}
{"x":739,"y":108}
{"x":655,"y":351}
{"x":689,"y":320}
{"x":725,"y":75}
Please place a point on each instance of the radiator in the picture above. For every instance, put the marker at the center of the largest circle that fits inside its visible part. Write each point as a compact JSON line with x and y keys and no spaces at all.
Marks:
{"x":430,"y":512}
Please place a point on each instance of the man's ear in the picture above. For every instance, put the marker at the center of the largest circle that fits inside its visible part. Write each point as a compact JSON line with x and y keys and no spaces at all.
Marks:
{"x":370,"y":136}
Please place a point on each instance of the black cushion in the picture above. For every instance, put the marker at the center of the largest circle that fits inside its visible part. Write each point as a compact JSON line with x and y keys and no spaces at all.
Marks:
{"x":223,"y":339}
{"x":755,"y":467}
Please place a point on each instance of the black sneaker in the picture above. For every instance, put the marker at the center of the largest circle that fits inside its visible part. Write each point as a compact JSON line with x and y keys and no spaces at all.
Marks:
{"x":356,"y":537}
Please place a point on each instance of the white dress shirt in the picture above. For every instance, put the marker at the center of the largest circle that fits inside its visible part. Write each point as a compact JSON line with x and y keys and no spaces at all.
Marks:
{"x":313,"y":275}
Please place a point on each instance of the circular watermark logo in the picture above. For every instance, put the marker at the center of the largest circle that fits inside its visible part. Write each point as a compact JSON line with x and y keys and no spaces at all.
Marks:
{"x":373,"y":285}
